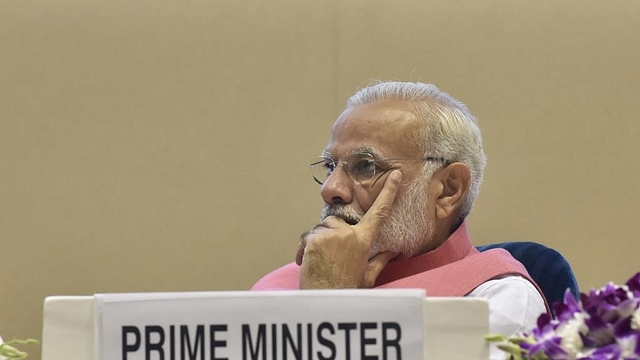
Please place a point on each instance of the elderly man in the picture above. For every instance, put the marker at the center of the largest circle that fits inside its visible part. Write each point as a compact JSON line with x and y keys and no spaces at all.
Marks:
{"x":399,"y":175}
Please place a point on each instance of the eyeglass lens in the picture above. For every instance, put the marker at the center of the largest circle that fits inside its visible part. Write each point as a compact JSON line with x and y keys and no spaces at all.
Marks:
{"x":359,"y":168}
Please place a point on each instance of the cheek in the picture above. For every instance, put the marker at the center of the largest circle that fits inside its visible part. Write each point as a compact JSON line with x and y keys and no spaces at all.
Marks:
{"x":363,"y":200}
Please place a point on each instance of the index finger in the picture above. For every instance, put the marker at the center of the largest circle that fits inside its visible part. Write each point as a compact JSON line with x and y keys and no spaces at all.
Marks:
{"x":372,"y":219}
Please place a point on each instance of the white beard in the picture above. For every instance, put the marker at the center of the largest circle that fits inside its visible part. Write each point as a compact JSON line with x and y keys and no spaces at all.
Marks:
{"x":407,"y":230}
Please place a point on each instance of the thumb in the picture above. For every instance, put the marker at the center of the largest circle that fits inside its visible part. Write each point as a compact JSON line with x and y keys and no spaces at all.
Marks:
{"x":375,"y":267}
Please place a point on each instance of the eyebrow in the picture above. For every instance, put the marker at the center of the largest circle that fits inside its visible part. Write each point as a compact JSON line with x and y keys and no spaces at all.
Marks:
{"x":365,"y":150}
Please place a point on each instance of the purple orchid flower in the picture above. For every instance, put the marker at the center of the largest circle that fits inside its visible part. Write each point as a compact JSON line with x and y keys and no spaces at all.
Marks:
{"x":603,"y":325}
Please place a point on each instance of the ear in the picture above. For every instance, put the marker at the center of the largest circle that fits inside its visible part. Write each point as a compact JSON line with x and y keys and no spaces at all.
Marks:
{"x":454,"y":181}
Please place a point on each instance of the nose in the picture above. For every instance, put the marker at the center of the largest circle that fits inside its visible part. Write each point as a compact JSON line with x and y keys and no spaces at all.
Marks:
{"x":337,"y":189}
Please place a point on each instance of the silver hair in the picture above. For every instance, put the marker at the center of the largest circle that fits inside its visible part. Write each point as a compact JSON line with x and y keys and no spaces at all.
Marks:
{"x":451,"y":132}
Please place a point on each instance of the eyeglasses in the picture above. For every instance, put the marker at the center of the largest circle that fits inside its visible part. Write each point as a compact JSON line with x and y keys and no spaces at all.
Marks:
{"x":361,"y":168}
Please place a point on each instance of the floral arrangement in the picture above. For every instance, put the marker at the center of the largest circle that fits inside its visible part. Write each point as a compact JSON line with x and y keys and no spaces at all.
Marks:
{"x":8,"y":351}
{"x":603,"y":325}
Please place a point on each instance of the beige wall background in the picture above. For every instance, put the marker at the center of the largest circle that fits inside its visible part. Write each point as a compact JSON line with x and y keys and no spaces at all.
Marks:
{"x":162,"y":145}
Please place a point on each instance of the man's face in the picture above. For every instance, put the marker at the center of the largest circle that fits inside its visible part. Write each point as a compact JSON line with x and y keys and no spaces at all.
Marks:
{"x":385,"y":130}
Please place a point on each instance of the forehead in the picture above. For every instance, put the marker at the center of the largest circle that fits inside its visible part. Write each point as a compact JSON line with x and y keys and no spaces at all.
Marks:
{"x":387,"y":127}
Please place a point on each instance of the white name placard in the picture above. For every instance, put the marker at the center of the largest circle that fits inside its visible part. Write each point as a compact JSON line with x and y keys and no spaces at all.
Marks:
{"x":274,"y":325}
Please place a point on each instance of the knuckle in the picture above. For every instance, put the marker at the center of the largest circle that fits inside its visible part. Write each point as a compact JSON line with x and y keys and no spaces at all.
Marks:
{"x":383,"y":209}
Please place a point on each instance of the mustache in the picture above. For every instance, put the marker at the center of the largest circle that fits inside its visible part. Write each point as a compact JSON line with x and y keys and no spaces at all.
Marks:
{"x":343,"y":212}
